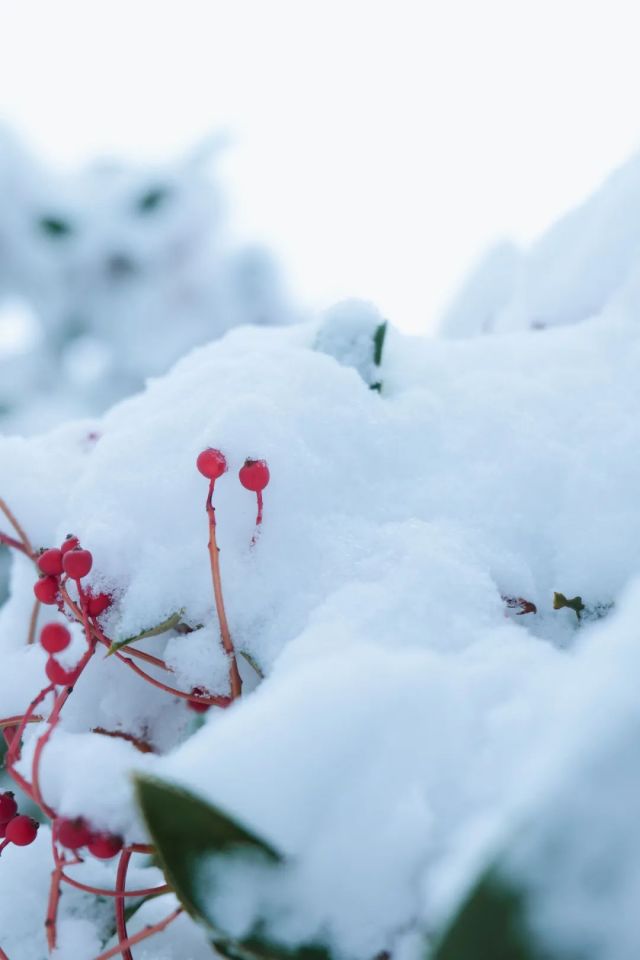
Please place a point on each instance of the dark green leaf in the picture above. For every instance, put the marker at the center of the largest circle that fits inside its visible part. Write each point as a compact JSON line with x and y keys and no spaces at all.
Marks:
{"x":490,"y":925}
{"x":55,"y":227}
{"x":378,"y":343}
{"x":152,"y":199}
{"x":185,"y":829}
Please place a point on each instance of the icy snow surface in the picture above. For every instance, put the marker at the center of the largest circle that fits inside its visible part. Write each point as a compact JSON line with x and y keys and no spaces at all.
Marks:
{"x":403,"y":706}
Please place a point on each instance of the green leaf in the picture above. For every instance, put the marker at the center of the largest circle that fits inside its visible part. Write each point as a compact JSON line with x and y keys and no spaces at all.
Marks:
{"x":378,"y":343}
{"x":169,"y":624}
{"x":55,"y":227}
{"x":252,"y":662}
{"x":490,"y":925}
{"x":185,"y":830}
{"x":575,"y":603}
{"x":152,"y":199}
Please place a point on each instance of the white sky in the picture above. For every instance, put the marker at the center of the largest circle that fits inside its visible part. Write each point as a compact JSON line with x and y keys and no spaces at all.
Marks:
{"x":380,"y":146}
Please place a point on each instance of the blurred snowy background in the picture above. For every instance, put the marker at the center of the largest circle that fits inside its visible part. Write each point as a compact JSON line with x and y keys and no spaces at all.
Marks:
{"x":170,"y":170}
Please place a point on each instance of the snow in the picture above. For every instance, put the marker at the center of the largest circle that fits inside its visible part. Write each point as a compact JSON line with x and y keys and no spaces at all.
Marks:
{"x":586,"y":262}
{"x":408,"y":718}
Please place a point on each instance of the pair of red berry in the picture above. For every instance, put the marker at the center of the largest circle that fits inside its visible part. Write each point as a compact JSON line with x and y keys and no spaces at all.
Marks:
{"x":70,"y":559}
{"x":254,"y":474}
{"x":55,"y":638}
{"x":15,"y":827}
{"x":75,"y":833}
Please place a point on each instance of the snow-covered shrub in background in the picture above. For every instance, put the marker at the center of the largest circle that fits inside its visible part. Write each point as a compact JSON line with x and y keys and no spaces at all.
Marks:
{"x":111,"y":274}
{"x":588,"y":261}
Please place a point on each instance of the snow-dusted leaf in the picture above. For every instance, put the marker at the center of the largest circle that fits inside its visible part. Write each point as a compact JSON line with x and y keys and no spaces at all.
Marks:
{"x":491,"y":923}
{"x":186,"y":829}
{"x":169,"y":624}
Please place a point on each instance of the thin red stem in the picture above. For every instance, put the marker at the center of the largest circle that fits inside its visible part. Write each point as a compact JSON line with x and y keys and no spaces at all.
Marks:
{"x":210,"y":701}
{"x":235,"y":681}
{"x":54,"y":894}
{"x":14,"y":544}
{"x":33,"y":623}
{"x":103,"y":892}
{"x":121,"y":920}
{"x":52,"y":722}
{"x":140,"y":936}
{"x":18,"y":529}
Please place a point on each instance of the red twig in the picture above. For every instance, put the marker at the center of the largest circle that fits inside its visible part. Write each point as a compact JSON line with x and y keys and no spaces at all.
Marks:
{"x":121,"y":920}
{"x":52,"y":722}
{"x":24,"y":539}
{"x":14,"y":544}
{"x":225,"y":634}
{"x":33,"y":623}
{"x":140,"y":936}
{"x":50,"y":922}
{"x":103,"y":892}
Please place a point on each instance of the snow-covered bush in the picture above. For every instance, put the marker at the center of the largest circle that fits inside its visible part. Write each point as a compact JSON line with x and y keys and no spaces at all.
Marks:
{"x":333,"y":648}
{"x":434,"y":631}
{"x":109,"y":275}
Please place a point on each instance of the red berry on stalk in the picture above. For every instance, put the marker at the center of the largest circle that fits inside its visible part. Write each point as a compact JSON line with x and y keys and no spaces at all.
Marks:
{"x":98,"y":603}
{"x":254,"y":475}
{"x":3,"y":830}
{"x":55,"y":637}
{"x":50,"y":562}
{"x":196,"y":705}
{"x":8,"y":806}
{"x":77,"y":563}
{"x":60,"y":675}
{"x":70,"y":543}
{"x":21,"y":830}
{"x":46,"y":590}
{"x":211,"y":463}
{"x":104,"y":845}
{"x":73,"y":833}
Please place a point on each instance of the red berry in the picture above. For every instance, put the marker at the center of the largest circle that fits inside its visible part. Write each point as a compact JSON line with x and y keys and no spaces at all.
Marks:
{"x":59,"y":674}
{"x":8,"y":806}
{"x":51,"y":562}
{"x":196,"y":705}
{"x":21,"y":830}
{"x":70,"y":543}
{"x":254,"y":475}
{"x":55,"y":637}
{"x":98,"y":604}
{"x":77,"y":563}
{"x":73,"y":833}
{"x":211,"y":463}
{"x":46,"y":589}
{"x":104,"y":845}
{"x":3,"y":830}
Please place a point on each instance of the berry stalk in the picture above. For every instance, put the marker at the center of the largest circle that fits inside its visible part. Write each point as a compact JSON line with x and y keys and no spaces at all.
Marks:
{"x":225,"y":634}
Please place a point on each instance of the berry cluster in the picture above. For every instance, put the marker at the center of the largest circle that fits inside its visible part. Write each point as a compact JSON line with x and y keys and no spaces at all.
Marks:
{"x":15,"y":827}
{"x":75,"y":833}
{"x":61,"y":572}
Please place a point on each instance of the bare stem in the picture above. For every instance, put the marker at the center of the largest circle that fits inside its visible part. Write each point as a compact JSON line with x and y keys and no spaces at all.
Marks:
{"x":18,"y":529}
{"x":121,"y":920}
{"x":115,"y":894}
{"x":225,"y":634}
{"x":33,"y":623}
{"x":140,"y":936}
